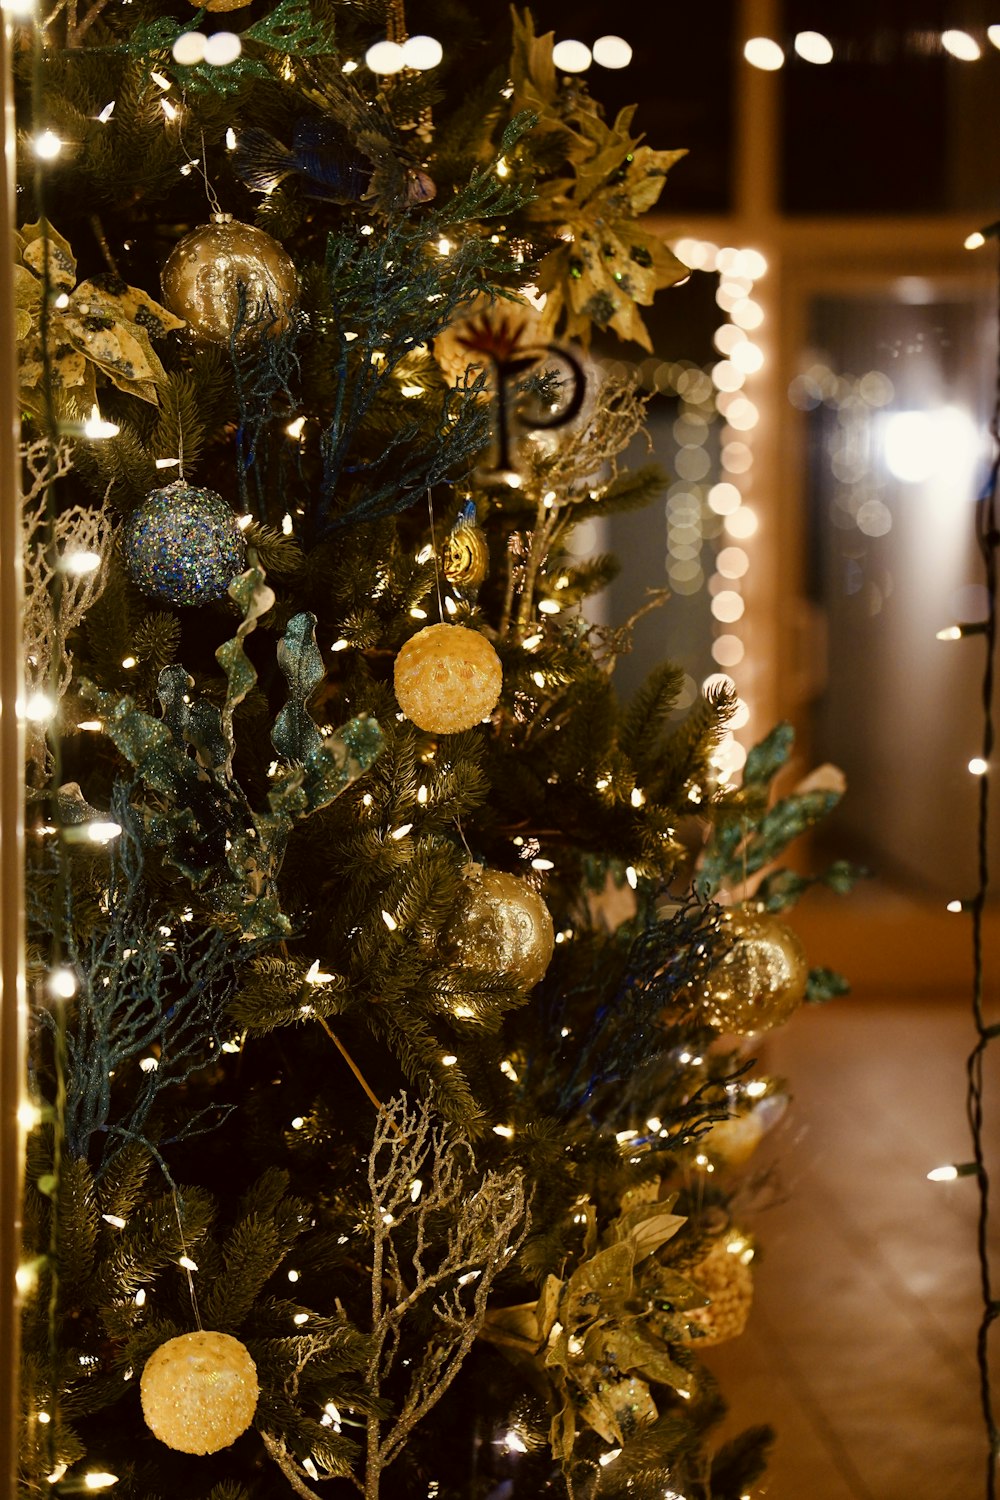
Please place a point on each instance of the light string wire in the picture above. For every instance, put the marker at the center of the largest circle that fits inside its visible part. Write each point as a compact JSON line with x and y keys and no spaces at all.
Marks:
{"x":988,"y":541}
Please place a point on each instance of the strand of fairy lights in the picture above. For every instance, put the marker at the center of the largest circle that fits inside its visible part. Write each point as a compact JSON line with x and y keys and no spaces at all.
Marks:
{"x":988,"y":542}
{"x":741,"y":356}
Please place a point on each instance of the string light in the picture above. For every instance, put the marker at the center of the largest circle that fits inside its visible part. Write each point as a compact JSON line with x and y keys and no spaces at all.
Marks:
{"x":950,"y":1172}
{"x":222,"y":48}
{"x":612,"y":52}
{"x":571,"y":56}
{"x":422,"y":52}
{"x":47,"y":145}
{"x":961,"y":45}
{"x":978,"y":766}
{"x":761,"y":52}
{"x":813,"y":47}
{"x":385,"y":57}
{"x":62,"y":984}
{"x":97,"y":1480}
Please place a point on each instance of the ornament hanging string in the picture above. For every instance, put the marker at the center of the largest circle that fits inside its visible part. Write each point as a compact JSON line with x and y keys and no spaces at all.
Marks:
{"x":437,"y":560}
{"x":185,"y":1262}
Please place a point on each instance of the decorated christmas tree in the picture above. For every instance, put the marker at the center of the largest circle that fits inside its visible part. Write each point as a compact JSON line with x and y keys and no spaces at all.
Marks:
{"x":394,"y":987}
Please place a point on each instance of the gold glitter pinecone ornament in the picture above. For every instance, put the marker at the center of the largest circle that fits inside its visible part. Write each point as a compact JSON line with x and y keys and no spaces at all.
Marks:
{"x":761,"y":980}
{"x":725,"y":1277}
{"x":199,"y":1392}
{"x":505,"y":925}
{"x":206,"y":270}
{"x":447,"y":678}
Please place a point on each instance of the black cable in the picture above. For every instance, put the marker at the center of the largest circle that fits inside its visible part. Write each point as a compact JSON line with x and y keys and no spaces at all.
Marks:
{"x":988,"y":540}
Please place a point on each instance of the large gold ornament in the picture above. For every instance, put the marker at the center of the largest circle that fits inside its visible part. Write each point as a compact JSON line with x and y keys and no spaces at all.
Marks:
{"x":505,"y":925}
{"x":761,"y":980}
{"x":227,"y":278}
{"x":447,"y":678}
{"x":725,"y":1277}
{"x":199,"y":1392}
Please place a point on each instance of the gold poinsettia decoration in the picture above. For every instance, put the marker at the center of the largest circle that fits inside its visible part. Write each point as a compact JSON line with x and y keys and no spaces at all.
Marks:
{"x":606,"y":265}
{"x":101,"y":324}
{"x":600,"y":1337}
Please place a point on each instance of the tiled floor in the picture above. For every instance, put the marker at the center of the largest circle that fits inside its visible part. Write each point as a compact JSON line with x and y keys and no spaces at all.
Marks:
{"x":860,"y":1346}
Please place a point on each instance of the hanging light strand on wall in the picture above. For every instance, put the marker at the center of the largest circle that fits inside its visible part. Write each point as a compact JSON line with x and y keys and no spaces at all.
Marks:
{"x":988,"y":542}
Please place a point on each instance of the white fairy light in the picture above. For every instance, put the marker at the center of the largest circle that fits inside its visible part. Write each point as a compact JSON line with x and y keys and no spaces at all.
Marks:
{"x":421,"y":52}
{"x":385,"y":57}
{"x":813,"y":47}
{"x":222,"y":49}
{"x":96,"y":427}
{"x":189,"y":48}
{"x":961,"y":45}
{"x":761,"y":52}
{"x":62,"y":984}
{"x":571,"y":56}
{"x":612,"y":52}
{"x":48,"y":145}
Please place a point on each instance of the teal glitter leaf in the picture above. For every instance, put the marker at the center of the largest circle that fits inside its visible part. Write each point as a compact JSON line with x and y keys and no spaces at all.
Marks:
{"x":199,"y":814}
{"x":824,"y":985}
{"x":295,"y":735}
{"x":766,"y":759}
{"x":254,"y":597}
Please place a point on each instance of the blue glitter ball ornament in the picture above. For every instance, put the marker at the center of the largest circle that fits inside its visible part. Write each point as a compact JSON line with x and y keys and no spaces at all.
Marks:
{"x":183,"y":545}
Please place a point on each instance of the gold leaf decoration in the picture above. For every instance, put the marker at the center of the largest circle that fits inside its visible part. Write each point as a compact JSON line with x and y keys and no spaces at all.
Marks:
{"x":606,"y":265}
{"x":101,"y":324}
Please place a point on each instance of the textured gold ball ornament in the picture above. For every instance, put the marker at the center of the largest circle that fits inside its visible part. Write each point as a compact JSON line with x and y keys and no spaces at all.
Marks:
{"x":725,"y":1277}
{"x":199,"y":1392}
{"x":206,"y":270}
{"x":761,"y":980}
{"x":447,"y":678}
{"x":506,"y":926}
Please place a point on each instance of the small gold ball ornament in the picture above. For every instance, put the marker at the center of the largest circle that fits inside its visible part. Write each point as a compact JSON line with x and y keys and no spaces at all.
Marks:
{"x":447,"y":678}
{"x":505,"y":926}
{"x":199,"y":1392}
{"x":725,"y":1277}
{"x":761,"y":980}
{"x":207,"y":271}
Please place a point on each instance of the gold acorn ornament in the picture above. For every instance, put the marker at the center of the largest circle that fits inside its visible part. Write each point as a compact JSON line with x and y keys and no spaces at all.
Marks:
{"x":199,"y":1391}
{"x":724,"y":1276}
{"x":504,"y":925}
{"x":447,"y":678}
{"x":465,"y":556}
{"x":228,"y":278}
{"x":762,"y":978}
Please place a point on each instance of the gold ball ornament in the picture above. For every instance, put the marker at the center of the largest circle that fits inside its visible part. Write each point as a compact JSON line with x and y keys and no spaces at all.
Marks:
{"x":506,"y":926}
{"x":207,"y":270}
{"x":447,"y":678}
{"x":199,"y":1392}
{"x":725,"y":1277}
{"x":761,"y":980}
